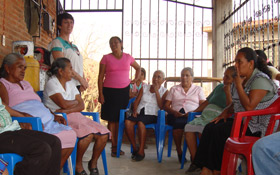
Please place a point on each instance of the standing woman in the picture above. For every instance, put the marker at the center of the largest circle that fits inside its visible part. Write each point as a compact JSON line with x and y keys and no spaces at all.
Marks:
{"x":114,"y":89}
{"x":63,"y":47}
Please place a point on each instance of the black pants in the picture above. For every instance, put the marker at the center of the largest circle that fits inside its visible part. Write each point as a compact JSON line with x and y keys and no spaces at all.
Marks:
{"x":41,"y":151}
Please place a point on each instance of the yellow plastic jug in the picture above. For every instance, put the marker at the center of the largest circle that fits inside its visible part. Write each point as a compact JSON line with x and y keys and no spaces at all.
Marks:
{"x":32,"y":72}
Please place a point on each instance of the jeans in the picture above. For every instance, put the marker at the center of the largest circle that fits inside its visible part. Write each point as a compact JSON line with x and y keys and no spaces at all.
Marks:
{"x":266,"y":155}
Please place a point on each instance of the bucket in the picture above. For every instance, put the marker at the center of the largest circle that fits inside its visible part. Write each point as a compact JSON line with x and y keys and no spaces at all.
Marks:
{"x":26,"y":49}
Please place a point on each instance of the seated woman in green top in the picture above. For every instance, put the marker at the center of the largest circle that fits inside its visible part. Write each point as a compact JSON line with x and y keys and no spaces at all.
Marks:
{"x":210,"y":108}
{"x":41,"y":151}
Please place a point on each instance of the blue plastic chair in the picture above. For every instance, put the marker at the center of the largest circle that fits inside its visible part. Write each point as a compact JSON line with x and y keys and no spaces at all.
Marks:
{"x":163,"y":128}
{"x":11,"y":158}
{"x":121,"y":126}
{"x":191,"y":116}
{"x":158,"y":127}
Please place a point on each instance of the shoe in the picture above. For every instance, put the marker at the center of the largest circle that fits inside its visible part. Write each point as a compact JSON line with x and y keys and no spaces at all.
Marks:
{"x":114,"y":153}
{"x":138,"y":157}
{"x":93,"y":171}
{"x":134,"y":153}
{"x":81,"y":173}
{"x":192,"y":169}
{"x":180,"y":158}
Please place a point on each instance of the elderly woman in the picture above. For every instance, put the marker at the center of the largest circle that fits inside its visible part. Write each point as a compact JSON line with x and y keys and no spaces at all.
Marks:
{"x":20,"y":96}
{"x":61,"y":95}
{"x":213,"y":106}
{"x":252,"y":89}
{"x":182,"y":99}
{"x":145,"y":108}
{"x":113,"y":86}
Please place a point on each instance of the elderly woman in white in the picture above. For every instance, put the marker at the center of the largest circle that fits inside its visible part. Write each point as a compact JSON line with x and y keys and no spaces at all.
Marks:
{"x":149,"y":100}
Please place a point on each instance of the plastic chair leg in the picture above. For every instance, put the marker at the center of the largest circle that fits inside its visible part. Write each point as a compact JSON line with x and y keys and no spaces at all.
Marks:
{"x":229,"y":163}
{"x":160,"y":140}
{"x":120,"y":132}
{"x":66,"y":167}
{"x":185,"y":147}
{"x":170,"y":139}
{"x":250,"y":169}
{"x":104,"y":160}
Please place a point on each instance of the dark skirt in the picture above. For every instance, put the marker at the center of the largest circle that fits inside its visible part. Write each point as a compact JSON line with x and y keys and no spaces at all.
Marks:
{"x":145,"y":119}
{"x":115,"y":100}
{"x":177,"y":122}
{"x":211,"y":146}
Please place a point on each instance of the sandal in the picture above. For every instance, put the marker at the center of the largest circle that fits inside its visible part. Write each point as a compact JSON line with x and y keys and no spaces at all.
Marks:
{"x":93,"y":171}
{"x":81,"y":173}
{"x":138,"y":157}
{"x":134,"y":153}
{"x":114,"y":153}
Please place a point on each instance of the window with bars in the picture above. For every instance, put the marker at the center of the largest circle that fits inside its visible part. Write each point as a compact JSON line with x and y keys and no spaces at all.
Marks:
{"x":161,"y":34}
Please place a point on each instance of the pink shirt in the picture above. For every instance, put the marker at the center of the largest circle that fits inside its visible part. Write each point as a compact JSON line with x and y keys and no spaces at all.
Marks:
{"x":18,"y":95}
{"x":189,"y":101}
{"x":117,"y":71}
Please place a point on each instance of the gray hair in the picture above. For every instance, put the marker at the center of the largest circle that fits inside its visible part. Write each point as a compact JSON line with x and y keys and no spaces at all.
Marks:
{"x":163,"y":74}
{"x":9,"y":60}
{"x":188,"y":69}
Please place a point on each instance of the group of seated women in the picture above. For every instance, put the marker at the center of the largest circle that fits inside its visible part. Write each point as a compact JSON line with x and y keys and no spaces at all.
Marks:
{"x":246,"y":86}
{"x":60,"y":95}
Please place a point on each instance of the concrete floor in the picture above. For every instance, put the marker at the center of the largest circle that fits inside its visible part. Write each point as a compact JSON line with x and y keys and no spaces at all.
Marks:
{"x":149,"y":166}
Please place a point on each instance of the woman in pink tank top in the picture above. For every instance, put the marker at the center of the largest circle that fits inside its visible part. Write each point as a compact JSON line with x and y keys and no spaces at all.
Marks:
{"x":113,"y":86}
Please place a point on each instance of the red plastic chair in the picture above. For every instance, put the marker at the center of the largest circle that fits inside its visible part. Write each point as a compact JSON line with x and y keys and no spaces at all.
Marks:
{"x":238,"y":143}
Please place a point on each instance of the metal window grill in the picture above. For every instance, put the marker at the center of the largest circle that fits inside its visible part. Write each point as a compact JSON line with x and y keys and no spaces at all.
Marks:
{"x":161,"y":34}
{"x":255,"y":24}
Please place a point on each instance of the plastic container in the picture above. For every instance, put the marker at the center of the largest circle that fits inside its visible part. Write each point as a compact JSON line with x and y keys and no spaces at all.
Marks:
{"x":26,"y":49}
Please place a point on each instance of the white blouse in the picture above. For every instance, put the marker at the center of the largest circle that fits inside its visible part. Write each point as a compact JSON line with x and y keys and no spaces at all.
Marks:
{"x":53,"y":86}
{"x":149,"y":101}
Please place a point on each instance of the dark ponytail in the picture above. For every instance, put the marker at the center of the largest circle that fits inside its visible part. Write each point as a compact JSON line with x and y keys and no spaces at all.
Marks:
{"x":262,"y":66}
{"x":57,"y":64}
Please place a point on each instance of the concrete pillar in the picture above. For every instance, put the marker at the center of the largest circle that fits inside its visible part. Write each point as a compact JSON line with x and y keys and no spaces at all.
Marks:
{"x":221,"y":7}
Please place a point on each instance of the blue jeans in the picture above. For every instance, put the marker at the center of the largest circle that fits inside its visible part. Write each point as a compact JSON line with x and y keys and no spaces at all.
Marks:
{"x":266,"y":155}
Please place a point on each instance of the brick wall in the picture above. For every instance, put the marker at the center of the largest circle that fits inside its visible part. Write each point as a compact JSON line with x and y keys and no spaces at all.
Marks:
{"x":13,"y":26}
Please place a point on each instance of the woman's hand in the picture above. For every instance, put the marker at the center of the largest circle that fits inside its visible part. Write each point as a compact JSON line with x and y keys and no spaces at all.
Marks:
{"x":227,"y":88}
{"x":133,"y":81}
{"x":178,"y":114}
{"x":134,"y":114}
{"x":238,"y":80}
{"x":156,"y":87}
{"x":84,"y":84}
{"x":59,"y":119}
{"x":101,"y":99}
{"x":25,"y":126}
{"x":223,"y":115}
